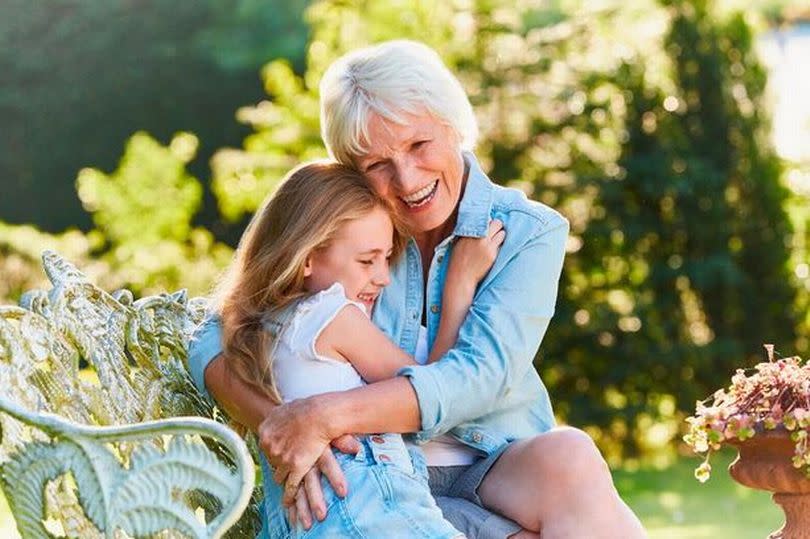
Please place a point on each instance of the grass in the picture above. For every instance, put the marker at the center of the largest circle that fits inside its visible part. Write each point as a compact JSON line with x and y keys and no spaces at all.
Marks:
{"x":7,"y":527}
{"x":670,"y":502}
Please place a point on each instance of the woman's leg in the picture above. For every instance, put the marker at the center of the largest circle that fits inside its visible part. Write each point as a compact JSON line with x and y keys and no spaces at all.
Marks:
{"x":557,"y":483}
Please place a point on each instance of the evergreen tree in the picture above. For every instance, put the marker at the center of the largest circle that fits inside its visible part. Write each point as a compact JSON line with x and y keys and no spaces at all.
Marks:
{"x":687,"y":244}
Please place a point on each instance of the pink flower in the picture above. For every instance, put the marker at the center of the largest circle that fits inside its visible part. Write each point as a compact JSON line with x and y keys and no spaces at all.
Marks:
{"x":772,"y":394}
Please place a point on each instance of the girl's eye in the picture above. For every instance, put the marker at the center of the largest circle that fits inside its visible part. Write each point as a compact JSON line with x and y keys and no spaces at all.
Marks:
{"x":367,"y":262}
{"x":374,"y":166}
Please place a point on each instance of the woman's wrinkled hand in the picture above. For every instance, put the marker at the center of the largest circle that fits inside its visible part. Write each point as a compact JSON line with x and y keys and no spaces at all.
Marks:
{"x":294,"y":437}
{"x":310,"y":503}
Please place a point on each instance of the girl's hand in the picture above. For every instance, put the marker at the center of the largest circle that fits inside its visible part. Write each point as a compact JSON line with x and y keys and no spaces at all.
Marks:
{"x":472,"y":258}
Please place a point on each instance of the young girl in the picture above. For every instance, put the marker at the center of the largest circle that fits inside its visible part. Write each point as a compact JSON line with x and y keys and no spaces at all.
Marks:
{"x":296,"y":306}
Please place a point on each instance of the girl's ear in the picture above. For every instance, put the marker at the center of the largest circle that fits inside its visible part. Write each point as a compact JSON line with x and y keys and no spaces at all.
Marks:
{"x":308,"y":266}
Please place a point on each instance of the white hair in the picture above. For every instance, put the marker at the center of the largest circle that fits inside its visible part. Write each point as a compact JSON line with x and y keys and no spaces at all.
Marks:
{"x":389,"y":79}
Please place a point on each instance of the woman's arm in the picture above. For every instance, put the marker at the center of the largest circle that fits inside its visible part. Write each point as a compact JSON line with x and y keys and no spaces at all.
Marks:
{"x":500,"y":335}
{"x":209,"y":370}
{"x":293,"y":436}
{"x":241,"y":402}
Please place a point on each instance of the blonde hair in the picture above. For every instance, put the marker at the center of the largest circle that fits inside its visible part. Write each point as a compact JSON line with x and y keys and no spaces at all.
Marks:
{"x":267,"y":273}
{"x":389,"y":79}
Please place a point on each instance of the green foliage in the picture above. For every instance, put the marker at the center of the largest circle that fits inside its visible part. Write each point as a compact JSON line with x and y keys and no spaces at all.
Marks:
{"x":687,"y":246}
{"x":21,"y":247}
{"x":243,"y":34}
{"x":144,"y":239}
{"x":144,"y":211}
{"x":148,"y":176}
{"x":287,"y":134}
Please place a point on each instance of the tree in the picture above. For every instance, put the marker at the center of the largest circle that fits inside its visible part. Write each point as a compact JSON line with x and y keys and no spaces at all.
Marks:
{"x":687,"y":244}
{"x":144,"y":238}
{"x":79,"y":78}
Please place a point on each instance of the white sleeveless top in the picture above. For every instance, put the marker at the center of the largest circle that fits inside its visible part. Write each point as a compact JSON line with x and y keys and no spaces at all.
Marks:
{"x":300,"y":371}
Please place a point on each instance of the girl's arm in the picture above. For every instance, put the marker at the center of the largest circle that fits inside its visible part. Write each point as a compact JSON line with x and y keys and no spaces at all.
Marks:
{"x":470,"y":260}
{"x":352,"y":336}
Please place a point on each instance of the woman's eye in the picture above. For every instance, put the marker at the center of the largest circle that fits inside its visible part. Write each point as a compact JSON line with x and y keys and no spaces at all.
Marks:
{"x":418,"y":144}
{"x":367,"y":262}
{"x":374,"y":166}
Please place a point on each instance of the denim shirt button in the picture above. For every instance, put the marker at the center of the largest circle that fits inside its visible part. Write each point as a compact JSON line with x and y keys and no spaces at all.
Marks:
{"x":477,"y":437}
{"x":440,"y":259}
{"x":414,"y":315}
{"x":434,"y":309}
{"x":378,"y":439}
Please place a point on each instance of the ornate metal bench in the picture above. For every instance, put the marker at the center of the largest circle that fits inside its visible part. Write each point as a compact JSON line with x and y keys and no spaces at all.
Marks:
{"x":112,"y":449}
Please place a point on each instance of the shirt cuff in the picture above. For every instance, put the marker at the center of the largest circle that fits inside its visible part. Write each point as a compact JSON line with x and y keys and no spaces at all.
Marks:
{"x":205,"y":344}
{"x":423,"y":383}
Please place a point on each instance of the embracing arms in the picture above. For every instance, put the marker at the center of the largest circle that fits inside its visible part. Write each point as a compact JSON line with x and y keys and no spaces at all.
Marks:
{"x":496,"y":345}
{"x":390,"y":406}
{"x":493,"y":352}
{"x":353,"y":337}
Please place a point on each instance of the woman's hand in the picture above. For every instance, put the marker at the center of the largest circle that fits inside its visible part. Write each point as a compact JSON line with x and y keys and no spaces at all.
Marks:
{"x":309,"y":499}
{"x":472,"y":258}
{"x":294,"y":437}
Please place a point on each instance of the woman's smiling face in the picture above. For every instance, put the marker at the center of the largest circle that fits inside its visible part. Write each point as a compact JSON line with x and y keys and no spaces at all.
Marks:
{"x":417,"y":166}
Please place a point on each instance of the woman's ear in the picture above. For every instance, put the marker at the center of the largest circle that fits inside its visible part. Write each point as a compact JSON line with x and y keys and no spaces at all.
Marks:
{"x":308,"y":266}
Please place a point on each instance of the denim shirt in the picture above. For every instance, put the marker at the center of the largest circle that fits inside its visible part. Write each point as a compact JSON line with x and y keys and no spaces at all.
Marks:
{"x":485,"y":391}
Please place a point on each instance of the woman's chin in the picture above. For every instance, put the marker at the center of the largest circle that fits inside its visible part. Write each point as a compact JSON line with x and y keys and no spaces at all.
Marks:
{"x":429,"y":220}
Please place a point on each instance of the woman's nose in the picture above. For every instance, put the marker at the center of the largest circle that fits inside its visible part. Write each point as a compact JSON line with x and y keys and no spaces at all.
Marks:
{"x":407,"y":179}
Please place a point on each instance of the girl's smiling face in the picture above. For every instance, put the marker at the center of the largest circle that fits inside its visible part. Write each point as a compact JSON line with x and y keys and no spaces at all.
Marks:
{"x":357,"y":259}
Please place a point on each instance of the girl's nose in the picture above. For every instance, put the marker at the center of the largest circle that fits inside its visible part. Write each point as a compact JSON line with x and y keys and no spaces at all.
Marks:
{"x":383,"y":277}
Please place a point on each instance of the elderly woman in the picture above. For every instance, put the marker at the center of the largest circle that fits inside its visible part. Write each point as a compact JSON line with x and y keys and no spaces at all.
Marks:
{"x":498,"y":466}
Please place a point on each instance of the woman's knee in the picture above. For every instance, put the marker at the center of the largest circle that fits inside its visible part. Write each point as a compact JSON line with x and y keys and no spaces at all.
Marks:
{"x":572,"y":459}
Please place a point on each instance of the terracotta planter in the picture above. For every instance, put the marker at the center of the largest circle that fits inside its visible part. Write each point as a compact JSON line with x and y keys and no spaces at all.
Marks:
{"x":764,"y":462}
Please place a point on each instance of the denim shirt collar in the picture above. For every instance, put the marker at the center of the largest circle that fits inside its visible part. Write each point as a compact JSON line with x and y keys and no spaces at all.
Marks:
{"x":476,"y":203}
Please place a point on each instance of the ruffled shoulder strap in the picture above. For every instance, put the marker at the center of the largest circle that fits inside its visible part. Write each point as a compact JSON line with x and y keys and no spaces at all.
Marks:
{"x":312,"y":315}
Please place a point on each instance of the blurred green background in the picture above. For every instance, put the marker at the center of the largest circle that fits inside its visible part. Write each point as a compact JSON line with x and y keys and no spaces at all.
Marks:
{"x":136,"y":138}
